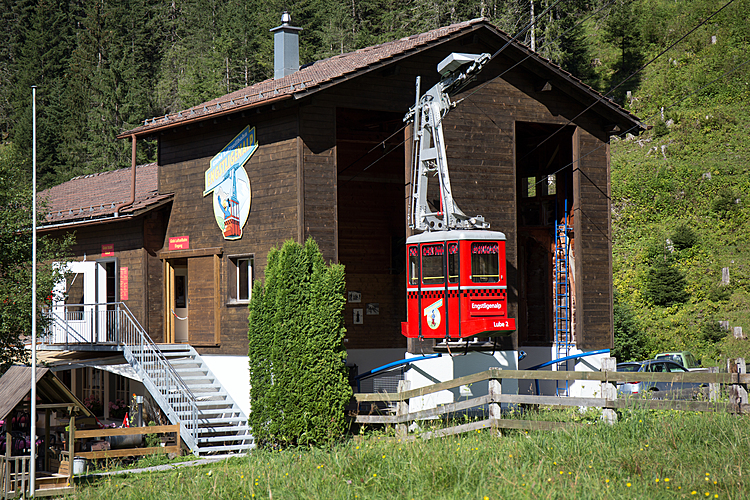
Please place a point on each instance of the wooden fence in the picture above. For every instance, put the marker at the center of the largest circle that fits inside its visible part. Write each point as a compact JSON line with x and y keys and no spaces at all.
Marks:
{"x":735,"y":380}
{"x":128,"y":431}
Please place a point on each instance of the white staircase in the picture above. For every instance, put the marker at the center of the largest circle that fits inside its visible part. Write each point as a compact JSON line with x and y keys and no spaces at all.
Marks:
{"x":175,"y":375}
{"x":221,"y":424}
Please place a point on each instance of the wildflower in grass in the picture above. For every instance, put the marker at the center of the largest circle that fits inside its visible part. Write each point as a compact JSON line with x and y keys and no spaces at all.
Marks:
{"x":693,"y":492}
{"x":374,"y":475}
{"x":657,"y":479}
{"x":606,"y":480}
{"x":666,"y":479}
{"x":628,"y":485}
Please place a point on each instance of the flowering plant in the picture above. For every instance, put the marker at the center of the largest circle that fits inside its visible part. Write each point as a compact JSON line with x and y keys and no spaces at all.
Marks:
{"x":118,"y":408}
{"x":92,"y":403}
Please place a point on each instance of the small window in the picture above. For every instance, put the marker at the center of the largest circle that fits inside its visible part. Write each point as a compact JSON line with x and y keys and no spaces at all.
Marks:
{"x":242,"y":268}
{"x":453,"y":263}
{"x":413,"y":265}
{"x":485,"y":263}
{"x":432,"y":264}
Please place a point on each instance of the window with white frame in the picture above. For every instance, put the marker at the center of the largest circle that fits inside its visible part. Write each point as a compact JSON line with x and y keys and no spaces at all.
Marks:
{"x":242,"y":279}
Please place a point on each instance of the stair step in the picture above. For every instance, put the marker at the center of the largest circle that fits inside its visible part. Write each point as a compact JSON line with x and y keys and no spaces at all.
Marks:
{"x":217,"y":422}
{"x":218,"y":439}
{"x":219,"y":405}
{"x":233,"y":428}
{"x":197,"y":380}
{"x":237,"y":447}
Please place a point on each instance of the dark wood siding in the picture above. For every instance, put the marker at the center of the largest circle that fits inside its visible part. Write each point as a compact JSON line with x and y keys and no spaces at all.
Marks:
{"x":593,"y":245}
{"x":273,"y":175}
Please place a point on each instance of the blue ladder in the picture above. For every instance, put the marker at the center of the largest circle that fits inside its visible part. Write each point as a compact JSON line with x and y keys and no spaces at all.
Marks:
{"x":563,"y":337}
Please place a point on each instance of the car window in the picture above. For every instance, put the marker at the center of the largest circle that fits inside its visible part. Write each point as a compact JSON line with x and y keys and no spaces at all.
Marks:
{"x":674,"y":367}
{"x":656,"y":367}
{"x":691,"y":361}
{"x":628,"y":368}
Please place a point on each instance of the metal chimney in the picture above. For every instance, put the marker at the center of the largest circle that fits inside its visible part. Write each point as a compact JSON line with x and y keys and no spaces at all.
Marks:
{"x":285,"y":48}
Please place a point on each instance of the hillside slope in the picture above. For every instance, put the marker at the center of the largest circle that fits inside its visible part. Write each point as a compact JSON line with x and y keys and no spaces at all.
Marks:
{"x":681,"y":191}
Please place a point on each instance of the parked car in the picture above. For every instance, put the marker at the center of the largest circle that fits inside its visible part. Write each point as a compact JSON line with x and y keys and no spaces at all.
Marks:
{"x":658,"y":390}
{"x":684,"y":358}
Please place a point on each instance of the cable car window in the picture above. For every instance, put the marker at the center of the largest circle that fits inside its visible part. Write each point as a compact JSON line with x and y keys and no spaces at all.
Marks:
{"x":413,"y":265}
{"x":432,"y":264}
{"x":452,"y":263}
{"x":485,"y":263}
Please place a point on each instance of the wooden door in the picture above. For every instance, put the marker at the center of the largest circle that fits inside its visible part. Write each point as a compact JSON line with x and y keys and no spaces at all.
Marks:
{"x":202,"y":282}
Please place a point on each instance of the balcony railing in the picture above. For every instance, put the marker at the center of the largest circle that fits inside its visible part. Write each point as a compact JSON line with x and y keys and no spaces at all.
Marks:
{"x":113,"y":324}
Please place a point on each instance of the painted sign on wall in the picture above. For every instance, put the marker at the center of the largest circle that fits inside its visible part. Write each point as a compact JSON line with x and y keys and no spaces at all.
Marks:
{"x":227,"y":179}
{"x":108,"y":250}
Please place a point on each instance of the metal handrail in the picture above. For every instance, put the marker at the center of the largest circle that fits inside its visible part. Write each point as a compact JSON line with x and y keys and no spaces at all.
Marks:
{"x":114,"y":324}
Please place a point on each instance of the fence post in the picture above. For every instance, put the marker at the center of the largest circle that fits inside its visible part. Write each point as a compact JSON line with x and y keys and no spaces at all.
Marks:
{"x":609,"y":391}
{"x":495,"y":389}
{"x":402,"y":408}
{"x":713,"y":389}
{"x":737,"y":393}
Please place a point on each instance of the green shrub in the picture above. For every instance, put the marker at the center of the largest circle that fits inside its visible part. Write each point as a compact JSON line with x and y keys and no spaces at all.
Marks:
{"x":660,"y":129}
{"x":724,"y":204}
{"x":712,"y":332}
{"x":630,"y":341}
{"x":298,"y":377}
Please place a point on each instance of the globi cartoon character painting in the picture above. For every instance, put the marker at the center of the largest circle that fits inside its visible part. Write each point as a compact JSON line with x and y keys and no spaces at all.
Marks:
{"x":227,"y":179}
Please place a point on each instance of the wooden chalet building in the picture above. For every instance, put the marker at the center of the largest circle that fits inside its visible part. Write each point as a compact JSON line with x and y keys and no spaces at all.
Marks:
{"x":321,"y":152}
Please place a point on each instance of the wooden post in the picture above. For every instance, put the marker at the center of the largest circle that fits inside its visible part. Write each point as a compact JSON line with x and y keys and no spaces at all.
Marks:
{"x":495,"y":389}
{"x":402,"y":408}
{"x":713,"y":389}
{"x":46,"y":439}
{"x":609,"y":391}
{"x":737,"y":393}
{"x":71,"y":444}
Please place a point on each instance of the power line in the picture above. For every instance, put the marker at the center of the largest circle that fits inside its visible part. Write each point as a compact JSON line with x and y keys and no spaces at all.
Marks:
{"x":524,"y":30}
{"x":628,"y":78}
{"x":683,"y":98}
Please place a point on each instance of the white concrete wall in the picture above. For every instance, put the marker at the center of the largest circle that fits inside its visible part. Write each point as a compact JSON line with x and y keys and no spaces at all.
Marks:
{"x":234,"y":374}
{"x":431,"y":371}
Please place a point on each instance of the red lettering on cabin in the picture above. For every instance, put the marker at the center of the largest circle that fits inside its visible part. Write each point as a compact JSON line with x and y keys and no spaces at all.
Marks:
{"x":484,"y":248}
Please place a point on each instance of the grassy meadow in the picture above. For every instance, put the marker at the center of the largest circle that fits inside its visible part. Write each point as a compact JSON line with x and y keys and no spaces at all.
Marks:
{"x":647,"y":454}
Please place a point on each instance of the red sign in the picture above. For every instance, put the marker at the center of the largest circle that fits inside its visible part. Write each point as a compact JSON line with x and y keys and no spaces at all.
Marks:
{"x":123,"y":283}
{"x":179,"y":243}
{"x":108,"y":250}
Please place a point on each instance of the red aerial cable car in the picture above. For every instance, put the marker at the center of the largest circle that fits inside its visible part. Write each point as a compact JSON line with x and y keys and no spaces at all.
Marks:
{"x":470,"y":299}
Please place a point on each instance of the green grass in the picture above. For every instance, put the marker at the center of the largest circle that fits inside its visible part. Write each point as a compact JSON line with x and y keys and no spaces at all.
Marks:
{"x":647,"y":454}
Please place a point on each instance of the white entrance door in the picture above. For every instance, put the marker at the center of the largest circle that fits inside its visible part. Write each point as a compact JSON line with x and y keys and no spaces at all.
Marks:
{"x":74,"y":304}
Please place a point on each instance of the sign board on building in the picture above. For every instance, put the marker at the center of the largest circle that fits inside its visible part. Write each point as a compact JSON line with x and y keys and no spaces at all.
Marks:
{"x":179,"y":243}
{"x":227,"y":179}
{"x":123,"y":283}
{"x":108,"y":250}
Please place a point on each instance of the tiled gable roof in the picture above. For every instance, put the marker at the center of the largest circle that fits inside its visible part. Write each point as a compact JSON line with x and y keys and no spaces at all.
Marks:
{"x":95,"y":196}
{"x":327,"y":71}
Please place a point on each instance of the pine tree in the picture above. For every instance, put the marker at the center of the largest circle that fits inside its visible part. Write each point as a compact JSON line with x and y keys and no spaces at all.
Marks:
{"x":665,"y":284}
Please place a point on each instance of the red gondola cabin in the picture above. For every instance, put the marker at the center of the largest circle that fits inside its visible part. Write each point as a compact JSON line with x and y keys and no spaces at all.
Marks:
{"x":473,"y":301}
